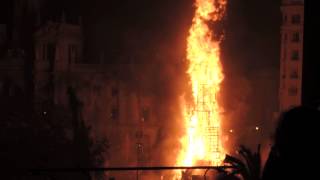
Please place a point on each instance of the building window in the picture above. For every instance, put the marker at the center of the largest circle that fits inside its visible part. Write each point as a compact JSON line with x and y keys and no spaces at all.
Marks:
{"x":295,"y":55}
{"x":114,"y":113}
{"x":73,"y":54}
{"x":44,"y":52}
{"x":293,"y":91}
{"x":285,"y":37}
{"x":284,"y":20}
{"x":114,"y":92}
{"x":295,"y":37}
{"x":140,"y":152}
{"x":283,"y":76}
{"x":51,"y":51}
{"x":145,"y":113}
{"x":70,"y":59}
{"x":296,"y":19}
{"x":294,"y":74}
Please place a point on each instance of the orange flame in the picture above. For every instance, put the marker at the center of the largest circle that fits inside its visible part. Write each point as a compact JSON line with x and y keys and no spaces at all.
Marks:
{"x":201,"y":143}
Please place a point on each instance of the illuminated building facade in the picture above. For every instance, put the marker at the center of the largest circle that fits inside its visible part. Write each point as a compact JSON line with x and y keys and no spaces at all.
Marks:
{"x":291,"y":58}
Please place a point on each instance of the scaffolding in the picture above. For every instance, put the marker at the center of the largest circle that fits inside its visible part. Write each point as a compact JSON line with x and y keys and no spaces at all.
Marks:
{"x":204,"y":110}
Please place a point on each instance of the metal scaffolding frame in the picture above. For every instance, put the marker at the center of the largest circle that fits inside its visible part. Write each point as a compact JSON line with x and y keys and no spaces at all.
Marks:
{"x":203,"y":111}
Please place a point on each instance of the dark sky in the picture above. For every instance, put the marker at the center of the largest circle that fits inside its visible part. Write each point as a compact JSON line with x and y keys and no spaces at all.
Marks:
{"x":252,"y":27}
{"x":252,"y":23}
{"x":253,"y":32}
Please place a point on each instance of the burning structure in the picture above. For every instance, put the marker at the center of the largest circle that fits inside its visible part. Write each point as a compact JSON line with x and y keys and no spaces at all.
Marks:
{"x":201,"y":144}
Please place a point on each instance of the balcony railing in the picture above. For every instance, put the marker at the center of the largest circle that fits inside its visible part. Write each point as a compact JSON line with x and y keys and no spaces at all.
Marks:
{"x":138,"y":173}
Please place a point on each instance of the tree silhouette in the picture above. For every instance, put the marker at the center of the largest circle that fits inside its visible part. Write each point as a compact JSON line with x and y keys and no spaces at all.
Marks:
{"x":248,"y":167}
{"x":54,"y":137}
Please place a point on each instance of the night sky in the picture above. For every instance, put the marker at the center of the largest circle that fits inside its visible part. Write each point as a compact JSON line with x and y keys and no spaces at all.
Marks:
{"x":251,"y":23}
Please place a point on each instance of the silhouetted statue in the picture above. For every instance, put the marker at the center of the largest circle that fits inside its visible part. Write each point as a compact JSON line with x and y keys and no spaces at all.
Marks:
{"x":295,"y":146}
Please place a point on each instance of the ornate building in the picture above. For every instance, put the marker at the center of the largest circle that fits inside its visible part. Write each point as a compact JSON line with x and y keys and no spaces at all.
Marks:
{"x":291,"y":60}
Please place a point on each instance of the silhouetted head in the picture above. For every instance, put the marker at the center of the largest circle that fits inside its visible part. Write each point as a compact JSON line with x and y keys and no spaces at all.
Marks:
{"x":295,"y":147}
{"x":297,"y":132}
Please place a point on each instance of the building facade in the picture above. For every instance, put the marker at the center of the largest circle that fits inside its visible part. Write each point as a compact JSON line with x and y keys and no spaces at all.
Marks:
{"x":112,"y":105}
{"x":291,"y":58}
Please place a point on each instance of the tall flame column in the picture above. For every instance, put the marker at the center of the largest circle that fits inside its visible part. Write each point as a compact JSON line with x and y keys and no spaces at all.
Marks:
{"x":201,"y":144}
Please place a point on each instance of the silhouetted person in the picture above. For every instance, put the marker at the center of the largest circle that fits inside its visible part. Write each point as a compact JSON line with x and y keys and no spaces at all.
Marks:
{"x":295,"y":148}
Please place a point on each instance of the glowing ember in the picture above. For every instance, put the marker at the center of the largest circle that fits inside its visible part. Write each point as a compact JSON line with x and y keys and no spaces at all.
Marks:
{"x":201,"y":144}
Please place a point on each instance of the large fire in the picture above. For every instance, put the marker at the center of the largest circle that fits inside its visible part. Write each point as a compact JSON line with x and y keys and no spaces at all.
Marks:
{"x":201,"y":144}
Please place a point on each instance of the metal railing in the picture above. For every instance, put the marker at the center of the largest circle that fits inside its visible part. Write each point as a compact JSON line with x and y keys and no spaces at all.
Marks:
{"x":136,"y":170}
